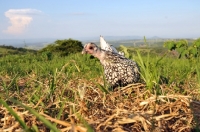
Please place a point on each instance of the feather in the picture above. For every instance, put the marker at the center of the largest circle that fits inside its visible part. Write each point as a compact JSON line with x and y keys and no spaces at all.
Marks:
{"x":106,"y":46}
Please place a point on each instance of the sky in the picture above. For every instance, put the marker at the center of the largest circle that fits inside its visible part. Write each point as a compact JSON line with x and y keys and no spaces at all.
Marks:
{"x":28,"y":19}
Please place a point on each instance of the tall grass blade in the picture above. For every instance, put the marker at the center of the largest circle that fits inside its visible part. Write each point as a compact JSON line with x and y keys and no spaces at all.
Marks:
{"x":41,"y":118}
{"x":24,"y":126}
{"x":198,"y":74}
{"x":85,"y":123}
{"x":102,"y":88}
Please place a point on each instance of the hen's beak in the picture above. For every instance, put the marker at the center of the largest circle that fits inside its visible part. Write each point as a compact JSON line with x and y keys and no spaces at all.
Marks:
{"x":84,"y":51}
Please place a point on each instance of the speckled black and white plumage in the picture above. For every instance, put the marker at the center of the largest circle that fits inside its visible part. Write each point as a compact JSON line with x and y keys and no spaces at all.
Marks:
{"x":118,"y":70}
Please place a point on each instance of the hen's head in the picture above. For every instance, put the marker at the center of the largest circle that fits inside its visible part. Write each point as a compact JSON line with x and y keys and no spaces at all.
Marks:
{"x":90,"y":48}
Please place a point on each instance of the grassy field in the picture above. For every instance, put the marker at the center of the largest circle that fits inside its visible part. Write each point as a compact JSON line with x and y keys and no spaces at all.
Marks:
{"x":42,"y":93}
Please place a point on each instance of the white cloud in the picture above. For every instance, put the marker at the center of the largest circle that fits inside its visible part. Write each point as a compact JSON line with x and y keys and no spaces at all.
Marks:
{"x":19,"y":19}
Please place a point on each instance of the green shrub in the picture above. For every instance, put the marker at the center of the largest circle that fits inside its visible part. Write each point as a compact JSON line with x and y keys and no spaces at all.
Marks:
{"x":64,"y":47}
{"x":184,"y":50}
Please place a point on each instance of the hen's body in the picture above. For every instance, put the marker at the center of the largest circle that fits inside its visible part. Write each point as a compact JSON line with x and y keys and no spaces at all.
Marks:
{"x":118,"y":70}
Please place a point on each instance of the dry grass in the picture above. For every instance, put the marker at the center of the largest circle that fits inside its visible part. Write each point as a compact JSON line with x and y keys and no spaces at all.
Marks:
{"x":131,"y":108}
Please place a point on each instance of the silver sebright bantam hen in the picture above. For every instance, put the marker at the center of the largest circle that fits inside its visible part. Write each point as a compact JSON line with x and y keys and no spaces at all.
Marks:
{"x":118,"y":70}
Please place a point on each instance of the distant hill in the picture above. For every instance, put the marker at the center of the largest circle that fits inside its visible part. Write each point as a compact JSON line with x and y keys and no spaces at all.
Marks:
{"x":7,"y":50}
{"x":40,"y":43}
{"x":122,"y":37}
{"x":28,"y":43}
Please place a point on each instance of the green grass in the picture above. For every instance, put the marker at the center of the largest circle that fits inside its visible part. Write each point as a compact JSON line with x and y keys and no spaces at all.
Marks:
{"x":153,"y":67}
{"x":40,"y":65}
{"x":50,"y":84}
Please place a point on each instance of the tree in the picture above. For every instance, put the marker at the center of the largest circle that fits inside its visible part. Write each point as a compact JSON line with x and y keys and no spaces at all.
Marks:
{"x":184,"y":50}
{"x":64,"y":47}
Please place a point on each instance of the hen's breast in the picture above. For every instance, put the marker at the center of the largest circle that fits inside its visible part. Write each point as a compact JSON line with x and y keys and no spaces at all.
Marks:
{"x":118,"y":70}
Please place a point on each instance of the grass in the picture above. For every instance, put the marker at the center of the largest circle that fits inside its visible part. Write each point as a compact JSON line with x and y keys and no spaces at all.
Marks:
{"x":70,"y":93}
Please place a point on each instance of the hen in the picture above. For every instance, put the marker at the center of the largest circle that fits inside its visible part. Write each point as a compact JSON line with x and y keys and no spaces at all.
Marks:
{"x":118,"y":70}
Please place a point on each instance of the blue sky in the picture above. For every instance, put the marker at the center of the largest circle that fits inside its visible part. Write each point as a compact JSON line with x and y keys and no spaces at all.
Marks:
{"x":89,"y":18}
